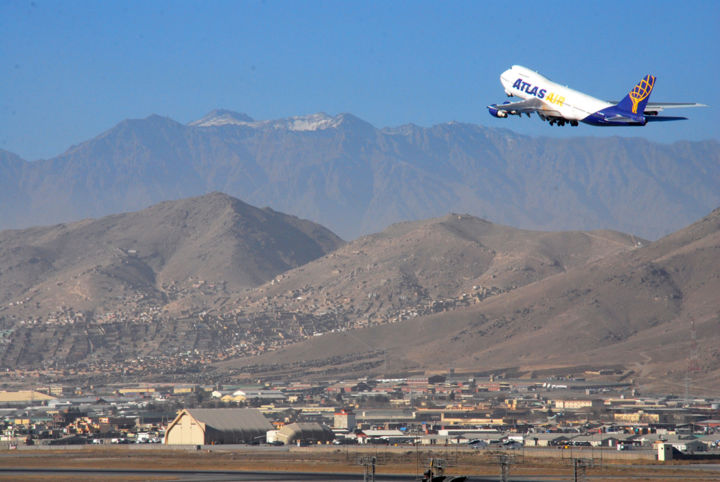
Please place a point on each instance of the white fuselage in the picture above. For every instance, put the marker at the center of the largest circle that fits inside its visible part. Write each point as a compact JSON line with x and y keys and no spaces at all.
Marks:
{"x":559,"y":100}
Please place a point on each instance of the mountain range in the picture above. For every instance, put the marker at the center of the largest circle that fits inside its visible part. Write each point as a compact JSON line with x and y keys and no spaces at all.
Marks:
{"x":343,"y":173}
{"x":214,"y":288}
{"x":144,"y":267}
{"x":275,"y":278}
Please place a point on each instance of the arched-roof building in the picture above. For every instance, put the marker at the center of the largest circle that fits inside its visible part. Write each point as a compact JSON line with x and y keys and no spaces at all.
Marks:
{"x":203,"y":426}
{"x":308,"y":432}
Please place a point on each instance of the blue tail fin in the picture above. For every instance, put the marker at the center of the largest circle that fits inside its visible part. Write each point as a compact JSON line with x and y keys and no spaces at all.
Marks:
{"x":637,"y":99}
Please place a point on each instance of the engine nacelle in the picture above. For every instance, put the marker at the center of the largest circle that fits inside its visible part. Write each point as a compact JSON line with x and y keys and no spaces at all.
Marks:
{"x":495,"y":112}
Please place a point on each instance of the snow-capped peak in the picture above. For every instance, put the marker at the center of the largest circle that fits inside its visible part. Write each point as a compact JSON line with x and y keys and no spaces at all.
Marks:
{"x":222,"y":117}
{"x":311,"y":122}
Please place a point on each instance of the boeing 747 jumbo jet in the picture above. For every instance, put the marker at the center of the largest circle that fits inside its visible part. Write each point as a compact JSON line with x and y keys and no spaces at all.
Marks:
{"x":562,"y":105}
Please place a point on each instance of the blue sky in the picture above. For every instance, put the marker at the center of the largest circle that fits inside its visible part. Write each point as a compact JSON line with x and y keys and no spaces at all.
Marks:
{"x":72,"y":69}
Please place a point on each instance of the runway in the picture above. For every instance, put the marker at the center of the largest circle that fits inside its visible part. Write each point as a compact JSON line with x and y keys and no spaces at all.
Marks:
{"x":224,"y":475}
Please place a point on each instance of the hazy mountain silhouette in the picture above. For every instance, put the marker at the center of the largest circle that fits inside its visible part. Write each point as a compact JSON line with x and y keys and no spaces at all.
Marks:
{"x":355,"y":179}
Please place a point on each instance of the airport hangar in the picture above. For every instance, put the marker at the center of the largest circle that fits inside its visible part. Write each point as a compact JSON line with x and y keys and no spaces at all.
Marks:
{"x":205,"y":426}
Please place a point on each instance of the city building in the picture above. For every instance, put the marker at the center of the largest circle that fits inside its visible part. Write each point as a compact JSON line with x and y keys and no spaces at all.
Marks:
{"x":344,"y":419}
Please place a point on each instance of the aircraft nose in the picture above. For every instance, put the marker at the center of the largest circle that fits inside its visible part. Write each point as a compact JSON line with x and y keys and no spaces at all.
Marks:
{"x":505,"y":77}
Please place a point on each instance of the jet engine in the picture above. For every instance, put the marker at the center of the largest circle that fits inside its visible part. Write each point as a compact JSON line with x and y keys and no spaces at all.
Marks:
{"x":495,"y":112}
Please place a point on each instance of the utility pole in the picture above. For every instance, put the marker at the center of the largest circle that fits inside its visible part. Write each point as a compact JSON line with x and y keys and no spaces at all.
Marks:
{"x":436,"y":469}
{"x":504,"y":460}
{"x":580,"y":466}
{"x":369,"y":465}
{"x":417,"y":458}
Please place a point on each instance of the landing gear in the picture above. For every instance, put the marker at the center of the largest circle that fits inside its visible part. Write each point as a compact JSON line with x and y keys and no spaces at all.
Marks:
{"x":560,"y":121}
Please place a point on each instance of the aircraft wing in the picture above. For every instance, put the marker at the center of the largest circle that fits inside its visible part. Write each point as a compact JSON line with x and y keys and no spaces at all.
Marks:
{"x":527,"y":106}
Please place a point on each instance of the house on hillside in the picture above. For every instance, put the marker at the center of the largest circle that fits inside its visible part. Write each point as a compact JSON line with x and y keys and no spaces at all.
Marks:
{"x":203,"y":426}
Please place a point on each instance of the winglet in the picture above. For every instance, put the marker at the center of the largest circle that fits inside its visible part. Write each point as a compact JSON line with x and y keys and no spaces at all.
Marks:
{"x":637,"y":99}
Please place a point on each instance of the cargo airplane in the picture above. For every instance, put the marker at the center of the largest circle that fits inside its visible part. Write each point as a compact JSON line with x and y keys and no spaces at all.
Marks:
{"x":562,"y":105}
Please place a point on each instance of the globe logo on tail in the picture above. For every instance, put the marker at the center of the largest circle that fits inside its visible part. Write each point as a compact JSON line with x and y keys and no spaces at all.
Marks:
{"x":641,"y":91}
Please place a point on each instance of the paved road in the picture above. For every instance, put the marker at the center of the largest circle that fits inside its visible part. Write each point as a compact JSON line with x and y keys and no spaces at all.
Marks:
{"x":704,"y":473}
{"x":228,"y":475}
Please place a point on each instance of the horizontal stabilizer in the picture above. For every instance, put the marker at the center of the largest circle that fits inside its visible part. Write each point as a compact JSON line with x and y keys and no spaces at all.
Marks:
{"x":653,"y":108}
{"x":667,"y":105}
{"x":656,"y":118}
{"x":674,"y":105}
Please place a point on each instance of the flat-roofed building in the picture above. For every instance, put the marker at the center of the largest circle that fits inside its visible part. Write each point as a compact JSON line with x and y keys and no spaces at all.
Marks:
{"x":344,"y":419}
{"x":577,"y":404}
{"x":638,"y":416}
{"x":23,"y":396}
{"x":203,"y":426}
{"x":136,"y":390}
{"x":179,"y":389}
{"x":687,"y":444}
{"x":596,"y":440}
{"x":262,"y":395}
{"x":545,"y":439}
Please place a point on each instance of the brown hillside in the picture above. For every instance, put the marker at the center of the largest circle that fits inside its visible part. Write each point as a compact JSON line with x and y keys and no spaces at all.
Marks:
{"x":427,"y":266}
{"x":632,"y":309}
{"x":157,"y":255}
